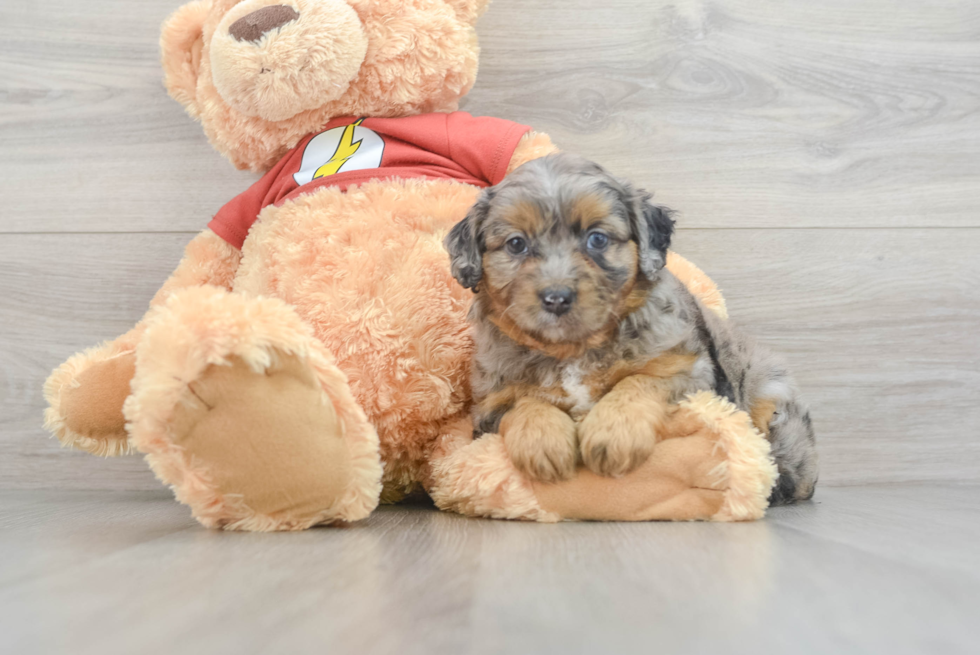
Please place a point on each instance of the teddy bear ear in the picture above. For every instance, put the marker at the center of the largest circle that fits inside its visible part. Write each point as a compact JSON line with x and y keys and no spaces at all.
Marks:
{"x":181,"y":42}
{"x":469,"y":10}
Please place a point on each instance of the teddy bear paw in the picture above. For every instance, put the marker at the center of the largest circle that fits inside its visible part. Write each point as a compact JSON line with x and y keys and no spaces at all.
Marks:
{"x":269,"y":440}
{"x":247,"y":417}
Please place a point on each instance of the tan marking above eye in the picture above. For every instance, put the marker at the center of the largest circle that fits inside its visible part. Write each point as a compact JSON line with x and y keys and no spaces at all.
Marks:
{"x":587,"y":210}
{"x":613,"y":226}
{"x":494,"y":242}
{"x":526,"y":217}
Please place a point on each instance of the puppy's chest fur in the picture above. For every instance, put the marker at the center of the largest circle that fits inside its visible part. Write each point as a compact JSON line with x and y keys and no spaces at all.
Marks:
{"x":660,"y":339}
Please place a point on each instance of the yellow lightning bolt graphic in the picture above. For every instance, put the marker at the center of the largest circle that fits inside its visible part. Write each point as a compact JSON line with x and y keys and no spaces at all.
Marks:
{"x":345,"y":150}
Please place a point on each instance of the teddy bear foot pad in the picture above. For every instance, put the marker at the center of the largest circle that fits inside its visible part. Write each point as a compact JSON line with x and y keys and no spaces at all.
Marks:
{"x":252,"y":427}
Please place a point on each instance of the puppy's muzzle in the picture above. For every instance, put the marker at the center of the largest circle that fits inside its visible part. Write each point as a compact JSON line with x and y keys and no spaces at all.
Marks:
{"x":557,"y":300}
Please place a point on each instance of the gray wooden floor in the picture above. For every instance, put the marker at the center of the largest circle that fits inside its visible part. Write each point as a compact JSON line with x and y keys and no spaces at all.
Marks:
{"x":825,"y":158}
{"x":884,"y":569}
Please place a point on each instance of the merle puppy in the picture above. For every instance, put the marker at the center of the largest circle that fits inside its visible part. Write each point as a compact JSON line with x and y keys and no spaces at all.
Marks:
{"x":585,"y":340}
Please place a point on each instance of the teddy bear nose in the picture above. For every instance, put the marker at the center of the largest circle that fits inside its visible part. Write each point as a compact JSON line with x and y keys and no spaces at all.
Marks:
{"x":253,"y":26}
{"x":557,"y":300}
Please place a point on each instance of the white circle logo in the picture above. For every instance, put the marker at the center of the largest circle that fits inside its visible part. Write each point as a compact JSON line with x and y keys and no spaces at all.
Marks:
{"x":349,"y":148}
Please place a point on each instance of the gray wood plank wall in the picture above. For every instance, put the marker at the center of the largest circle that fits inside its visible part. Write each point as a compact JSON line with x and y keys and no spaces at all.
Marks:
{"x":825,"y":159}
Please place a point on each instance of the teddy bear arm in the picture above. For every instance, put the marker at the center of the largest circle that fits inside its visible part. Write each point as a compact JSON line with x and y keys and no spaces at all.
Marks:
{"x":532,"y":145}
{"x":86,"y":393}
{"x":699,"y":284}
{"x":208,"y":259}
{"x":711,"y":464}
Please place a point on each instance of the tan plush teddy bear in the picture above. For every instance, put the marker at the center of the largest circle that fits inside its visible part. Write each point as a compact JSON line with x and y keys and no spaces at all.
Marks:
{"x":310,"y":354}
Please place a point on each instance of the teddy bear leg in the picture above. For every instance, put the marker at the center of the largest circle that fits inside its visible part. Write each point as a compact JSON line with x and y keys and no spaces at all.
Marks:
{"x":242,"y":411}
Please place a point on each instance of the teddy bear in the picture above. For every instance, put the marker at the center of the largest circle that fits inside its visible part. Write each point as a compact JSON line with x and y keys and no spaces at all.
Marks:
{"x":309,"y":357}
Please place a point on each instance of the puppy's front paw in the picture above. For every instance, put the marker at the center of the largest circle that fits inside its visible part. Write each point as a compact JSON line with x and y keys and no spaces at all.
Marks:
{"x":617,"y":439}
{"x":540,"y":439}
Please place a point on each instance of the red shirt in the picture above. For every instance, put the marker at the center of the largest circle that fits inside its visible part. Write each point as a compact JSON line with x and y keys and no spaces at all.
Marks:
{"x":352,"y":151}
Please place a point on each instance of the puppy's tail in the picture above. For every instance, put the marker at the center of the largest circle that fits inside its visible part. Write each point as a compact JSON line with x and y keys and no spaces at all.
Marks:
{"x":794,"y":449}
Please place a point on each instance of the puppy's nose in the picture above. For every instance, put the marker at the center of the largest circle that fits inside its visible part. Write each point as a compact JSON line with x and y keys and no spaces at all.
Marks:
{"x":557,"y":300}
{"x":253,"y":26}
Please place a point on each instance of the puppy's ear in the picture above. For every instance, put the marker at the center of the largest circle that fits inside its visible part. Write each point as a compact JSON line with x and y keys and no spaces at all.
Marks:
{"x":652,"y":227}
{"x":465,"y":245}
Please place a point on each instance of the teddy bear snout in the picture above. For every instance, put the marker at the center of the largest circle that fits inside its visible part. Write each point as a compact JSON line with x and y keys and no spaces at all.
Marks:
{"x":253,"y":26}
{"x":273,"y":60}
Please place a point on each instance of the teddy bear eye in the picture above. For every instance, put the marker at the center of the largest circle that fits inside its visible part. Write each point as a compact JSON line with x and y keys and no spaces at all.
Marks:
{"x":597,"y":241}
{"x":516,"y":245}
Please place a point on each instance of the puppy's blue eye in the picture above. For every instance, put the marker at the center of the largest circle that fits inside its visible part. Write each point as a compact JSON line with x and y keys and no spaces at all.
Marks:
{"x":597,"y":241}
{"x":516,"y":245}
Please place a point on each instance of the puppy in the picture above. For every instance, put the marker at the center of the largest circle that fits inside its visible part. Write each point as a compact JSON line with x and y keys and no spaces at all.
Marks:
{"x":585,"y":341}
